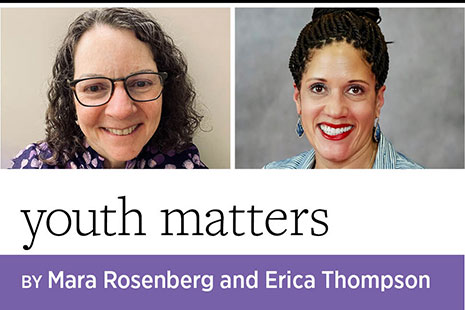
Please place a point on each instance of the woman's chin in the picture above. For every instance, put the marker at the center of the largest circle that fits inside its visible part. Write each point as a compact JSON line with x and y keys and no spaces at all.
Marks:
{"x":121,"y":156}
{"x":334,"y":153}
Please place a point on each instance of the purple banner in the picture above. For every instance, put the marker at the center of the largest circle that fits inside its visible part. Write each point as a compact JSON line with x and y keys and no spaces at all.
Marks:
{"x":232,"y":282}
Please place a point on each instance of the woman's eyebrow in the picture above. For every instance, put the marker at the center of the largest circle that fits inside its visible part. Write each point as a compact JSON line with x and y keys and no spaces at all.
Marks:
{"x":143,"y":71}
{"x":89,"y":75}
{"x":359,"y":81}
{"x":317,"y":79}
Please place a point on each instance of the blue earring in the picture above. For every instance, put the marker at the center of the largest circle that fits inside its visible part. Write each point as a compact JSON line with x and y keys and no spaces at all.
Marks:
{"x":376,"y":131}
{"x":299,"y":130}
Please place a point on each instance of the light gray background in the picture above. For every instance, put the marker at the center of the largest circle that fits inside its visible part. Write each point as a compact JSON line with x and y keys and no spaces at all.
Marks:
{"x":424,"y":100}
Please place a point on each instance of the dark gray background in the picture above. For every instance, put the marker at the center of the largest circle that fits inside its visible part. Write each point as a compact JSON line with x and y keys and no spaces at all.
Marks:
{"x":424,"y":100}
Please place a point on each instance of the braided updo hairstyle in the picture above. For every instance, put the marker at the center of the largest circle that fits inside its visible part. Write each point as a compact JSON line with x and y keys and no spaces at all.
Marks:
{"x":357,"y":26}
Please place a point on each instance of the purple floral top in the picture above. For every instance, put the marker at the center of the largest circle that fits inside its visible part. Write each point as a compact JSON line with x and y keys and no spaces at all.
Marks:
{"x":149,"y":158}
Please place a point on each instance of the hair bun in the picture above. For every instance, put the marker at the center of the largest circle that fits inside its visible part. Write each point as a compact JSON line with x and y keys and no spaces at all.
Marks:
{"x":371,"y":13}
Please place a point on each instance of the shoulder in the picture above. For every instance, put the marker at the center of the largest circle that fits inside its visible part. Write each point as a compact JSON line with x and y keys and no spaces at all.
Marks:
{"x":301,"y":161}
{"x":188,"y":158}
{"x":32,"y":157}
{"x":388,"y":158}
{"x":403,"y":162}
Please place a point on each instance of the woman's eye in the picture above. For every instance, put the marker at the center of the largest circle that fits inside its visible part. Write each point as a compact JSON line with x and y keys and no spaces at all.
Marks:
{"x":318,"y":88}
{"x":355,"y":90}
{"x":140,"y":84}
{"x":94,"y":88}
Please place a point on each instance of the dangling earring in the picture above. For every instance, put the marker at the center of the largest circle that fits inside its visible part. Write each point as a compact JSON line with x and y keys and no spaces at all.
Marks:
{"x":299,"y":129}
{"x":376,"y":131}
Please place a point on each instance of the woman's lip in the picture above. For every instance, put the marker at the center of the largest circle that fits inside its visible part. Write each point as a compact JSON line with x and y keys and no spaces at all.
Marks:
{"x":121,"y":132}
{"x":335,"y":125}
{"x":335,"y":132}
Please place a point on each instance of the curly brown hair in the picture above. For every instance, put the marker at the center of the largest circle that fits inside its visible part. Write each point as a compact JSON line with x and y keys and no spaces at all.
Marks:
{"x":179,"y":120}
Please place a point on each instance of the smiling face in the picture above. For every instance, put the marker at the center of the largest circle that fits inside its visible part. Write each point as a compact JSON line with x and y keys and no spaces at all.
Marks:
{"x":119,"y":129}
{"x":338,"y":104}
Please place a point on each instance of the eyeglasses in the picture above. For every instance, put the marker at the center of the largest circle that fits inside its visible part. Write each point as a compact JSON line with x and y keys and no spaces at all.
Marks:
{"x":97,"y":91}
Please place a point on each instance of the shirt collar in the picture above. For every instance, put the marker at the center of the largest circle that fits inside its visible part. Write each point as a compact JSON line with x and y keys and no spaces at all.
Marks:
{"x":385,"y":156}
{"x":91,"y":159}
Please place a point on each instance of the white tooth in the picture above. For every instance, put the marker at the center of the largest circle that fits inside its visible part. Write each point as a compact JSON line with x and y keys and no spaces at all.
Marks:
{"x":334,"y":131}
{"x":122,"y":132}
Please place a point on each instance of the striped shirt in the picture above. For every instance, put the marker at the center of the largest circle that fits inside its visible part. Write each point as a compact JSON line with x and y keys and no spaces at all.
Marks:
{"x":386,"y":158}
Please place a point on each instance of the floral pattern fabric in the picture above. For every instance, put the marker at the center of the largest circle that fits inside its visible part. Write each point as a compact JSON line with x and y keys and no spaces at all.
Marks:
{"x":149,"y":158}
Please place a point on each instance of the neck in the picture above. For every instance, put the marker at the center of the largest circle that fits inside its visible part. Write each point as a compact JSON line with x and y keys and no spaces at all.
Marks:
{"x":364,"y":159}
{"x":108,"y":164}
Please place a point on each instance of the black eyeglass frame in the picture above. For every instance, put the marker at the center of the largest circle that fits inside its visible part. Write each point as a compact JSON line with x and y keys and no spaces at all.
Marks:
{"x":72,"y":84}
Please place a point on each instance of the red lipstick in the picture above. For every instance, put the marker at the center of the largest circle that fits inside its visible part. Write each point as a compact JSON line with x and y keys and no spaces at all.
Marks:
{"x":337,"y":137}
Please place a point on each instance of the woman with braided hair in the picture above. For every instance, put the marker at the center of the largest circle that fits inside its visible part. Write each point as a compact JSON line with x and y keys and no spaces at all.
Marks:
{"x":339,"y":66}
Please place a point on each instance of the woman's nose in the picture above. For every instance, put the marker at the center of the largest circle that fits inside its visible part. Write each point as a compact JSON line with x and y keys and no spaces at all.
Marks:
{"x":336,"y":107}
{"x":120,"y":105}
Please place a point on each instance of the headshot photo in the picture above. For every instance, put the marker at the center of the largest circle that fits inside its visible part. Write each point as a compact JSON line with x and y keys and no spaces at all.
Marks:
{"x":129,"y":88}
{"x":363,"y":88}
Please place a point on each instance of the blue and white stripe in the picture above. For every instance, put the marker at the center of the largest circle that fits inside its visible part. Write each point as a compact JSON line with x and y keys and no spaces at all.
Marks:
{"x":386,"y":158}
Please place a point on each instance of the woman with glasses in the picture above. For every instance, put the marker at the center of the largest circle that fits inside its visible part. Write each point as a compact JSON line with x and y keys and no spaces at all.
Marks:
{"x":120,"y":97}
{"x":339,"y":66}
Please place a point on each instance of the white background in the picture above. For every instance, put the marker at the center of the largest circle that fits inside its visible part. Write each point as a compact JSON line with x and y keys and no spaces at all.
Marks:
{"x":369,"y":212}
